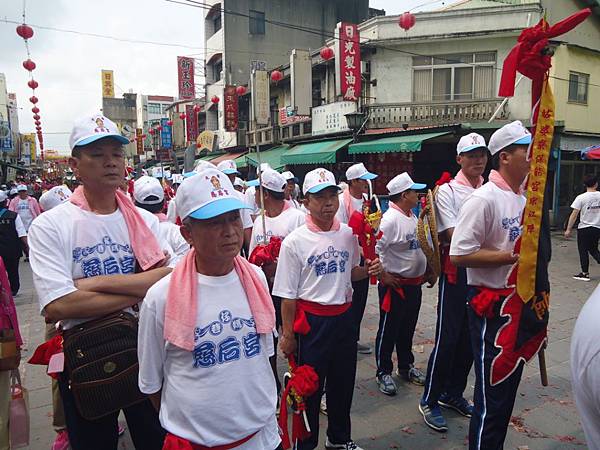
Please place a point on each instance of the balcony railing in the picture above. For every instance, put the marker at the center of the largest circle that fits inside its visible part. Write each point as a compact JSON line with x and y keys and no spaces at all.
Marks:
{"x":263,"y":136}
{"x":434,"y":113}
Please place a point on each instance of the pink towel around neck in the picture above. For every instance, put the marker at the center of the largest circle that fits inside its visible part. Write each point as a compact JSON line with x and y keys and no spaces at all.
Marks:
{"x":182,"y":300}
{"x":312,"y":226}
{"x":145,"y":246}
{"x":499,"y":181}
{"x":348,"y":202}
{"x":460,"y":178}
{"x":400,"y":210}
{"x":162,"y":217}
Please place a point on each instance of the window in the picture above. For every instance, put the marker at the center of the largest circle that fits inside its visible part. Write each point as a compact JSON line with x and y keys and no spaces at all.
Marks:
{"x":217,"y":22}
{"x":462,"y":76}
{"x":154,"y":108}
{"x":217,"y":69}
{"x":256,"y":22}
{"x":578,"y":87}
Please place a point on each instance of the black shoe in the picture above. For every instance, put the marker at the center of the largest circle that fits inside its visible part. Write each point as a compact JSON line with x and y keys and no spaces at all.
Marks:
{"x":350,"y":445}
{"x":459,"y":404}
{"x":433,"y":417}
{"x":582,"y":276}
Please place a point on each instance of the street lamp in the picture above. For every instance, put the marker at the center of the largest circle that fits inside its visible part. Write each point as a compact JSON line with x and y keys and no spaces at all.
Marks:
{"x":355,"y":121}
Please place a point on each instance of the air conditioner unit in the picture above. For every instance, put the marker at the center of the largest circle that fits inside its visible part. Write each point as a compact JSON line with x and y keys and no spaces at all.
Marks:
{"x":365,"y":67}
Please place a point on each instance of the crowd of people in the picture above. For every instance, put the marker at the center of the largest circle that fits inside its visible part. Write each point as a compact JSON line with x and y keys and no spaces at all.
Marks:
{"x":186,"y":265}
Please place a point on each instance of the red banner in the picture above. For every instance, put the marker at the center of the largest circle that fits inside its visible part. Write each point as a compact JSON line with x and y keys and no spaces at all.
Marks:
{"x":191,"y":123}
{"x":185,"y":77}
{"x":139,"y":141}
{"x":349,"y":61}
{"x":231,"y":109}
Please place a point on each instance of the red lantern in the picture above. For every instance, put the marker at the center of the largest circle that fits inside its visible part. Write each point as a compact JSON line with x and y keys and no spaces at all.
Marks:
{"x":159,"y":128}
{"x":32,"y":84}
{"x":35,"y":110}
{"x":38,"y":123}
{"x":29,"y":65}
{"x":240,"y":90}
{"x":196,"y":109}
{"x":144,"y":136}
{"x":33,"y":99}
{"x":151,"y":131}
{"x":36,"y":117}
{"x":182,"y":116}
{"x":326,"y":53}
{"x":25,"y":31}
{"x":215,"y":100}
{"x":170,"y":123}
{"x":38,"y":128}
{"x":407,"y":21}
{"x":276,"y":76}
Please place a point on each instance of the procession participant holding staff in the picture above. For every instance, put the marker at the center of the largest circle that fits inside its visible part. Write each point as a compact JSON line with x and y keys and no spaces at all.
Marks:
{"x":488,"y":225}
{"x":405,"y":267}
{"x":206,"y":331}
{"x":451,"y":358}
{"x":317,"y":264}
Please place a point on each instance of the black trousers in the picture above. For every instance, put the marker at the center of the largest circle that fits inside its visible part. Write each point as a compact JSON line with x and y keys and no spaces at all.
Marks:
{"x":330,"y":348}
{"x":587,"y":242}
{"x":396,"y":329}
{"x":12,"y":269}
{"x":102,"y":434}
{"x":359,"y":303}
{"x":493,"y":404}
{"x":451,"y":358}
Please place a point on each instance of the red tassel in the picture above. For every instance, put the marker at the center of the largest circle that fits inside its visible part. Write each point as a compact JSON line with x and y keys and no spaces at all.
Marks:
{"x":445,"y":178}
{"x":387,"y":299}
{"x":265,"y":254}
{"x":45,"y":351}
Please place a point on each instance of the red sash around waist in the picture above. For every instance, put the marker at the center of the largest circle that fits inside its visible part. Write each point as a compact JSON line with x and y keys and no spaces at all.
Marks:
{"x":387,"y":299}
{"x":301,"y":325}
{"x":483,"y":303}
{"x":173,"y":442}
{"x":447,"y":267}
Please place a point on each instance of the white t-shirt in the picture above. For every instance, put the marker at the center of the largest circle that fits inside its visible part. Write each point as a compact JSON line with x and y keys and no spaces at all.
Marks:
{"x":251,"y":200}
{"x":68,"y":243}
{"x":588,"y":204}
{"x":21,"y":231}
{"x":317,"y":266}
{"x":448,"y":201}
{"x":490,"y":219}
{"x":342,"y":214}
{"x":280,"y":226}
{"x":169,"y":233}
{"x":224,"y":389}
{"x":399,"y":249}
{"x":24,"y":213}
{"x":244,"y":213}
{"x":172,"y":212}
{"x":585,"y":368}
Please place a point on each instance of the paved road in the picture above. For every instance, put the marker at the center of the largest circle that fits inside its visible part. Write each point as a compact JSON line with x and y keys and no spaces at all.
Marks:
{"x":544,"y":418}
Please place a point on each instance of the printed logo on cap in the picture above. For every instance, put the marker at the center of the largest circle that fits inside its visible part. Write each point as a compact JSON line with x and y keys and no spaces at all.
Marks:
{"x":217,"y":191}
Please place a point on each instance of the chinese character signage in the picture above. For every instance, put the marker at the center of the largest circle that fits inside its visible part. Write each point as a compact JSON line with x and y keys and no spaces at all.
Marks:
{"x":260,"y":97}
{"x":191,"y":123}
{"x":331,"y":118}
{"x":162,"y":154}
{"x":301,"y":81}
{"x":347,"y":61}
{"x":185,"y":77}
{"x":108,"y":84}
{"x":5,"y":136}
{"x":287,"y":116}
{"x":28,"y":153}
{"x":206,"y":140}
{"x":166,"y":134}
{"x":231,"y":109}
{"x":139,"y":141}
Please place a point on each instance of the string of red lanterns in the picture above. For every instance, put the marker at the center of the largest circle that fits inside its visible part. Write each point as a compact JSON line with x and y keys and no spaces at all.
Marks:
{"x":276,"y":76}
{"x":407,"y":20}
{"x":26,"y":33}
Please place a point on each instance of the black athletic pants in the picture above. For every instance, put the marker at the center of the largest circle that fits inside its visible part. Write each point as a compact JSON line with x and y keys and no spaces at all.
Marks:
{"x":359,"y":303}
{"x":12,"y":269}
{"x":451,"y":358}
{"x":587,"y":242}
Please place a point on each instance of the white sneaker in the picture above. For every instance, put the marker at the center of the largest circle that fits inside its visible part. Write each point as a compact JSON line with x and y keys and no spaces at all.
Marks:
{"x":350,"y":445}
{"x":323,"y":407}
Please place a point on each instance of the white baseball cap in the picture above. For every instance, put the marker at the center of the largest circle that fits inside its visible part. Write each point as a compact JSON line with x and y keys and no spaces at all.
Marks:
{"x":145,"y":187}
{"x":359,"y":171}
{"x":470,"y":142}
{"x":238,"y":182}
{"x":177,"y":178}
{"x":54,"y":197}
{"x":21,"y":188}
{"x":228,"y":167}
{"x":271,"y":180}
{"x":206,"y":195}
{"x":403,"y":182}
{"x":318,"y":179}
{"x":510,"y":134}
{"x":91,"y":128}
{"x":4,"y":197}
{"x":13,"y":191}
{"x":289,"y":176}
{"x":201,"y":165}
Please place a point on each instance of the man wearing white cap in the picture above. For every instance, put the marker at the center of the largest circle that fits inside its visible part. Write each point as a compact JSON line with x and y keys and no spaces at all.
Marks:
{"x":149,"y":194}
{"x":291,"y":188}
{"x":25,"y":206}
{"x":451,"y":358}
{"x":13,"y":239}
{"x":351,"y":199}
{"x":229,"y":168}
{"x":206,"y":331}
{"x":54,"y":197}
{"x":487,"y":228}
{"x":405,"y":267}
{"x":84,"y":256}
{"x":316,"y":267}
{"x":251,"y":191}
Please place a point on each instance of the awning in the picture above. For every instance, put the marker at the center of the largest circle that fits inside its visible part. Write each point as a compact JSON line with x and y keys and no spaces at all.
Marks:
{"x":271,"y":156}
{"x":314,"y":152}
{"x":227,"y":157}
{"x":211,"y":156}
{"x":394,"y":144}
{"x":241,"y":162}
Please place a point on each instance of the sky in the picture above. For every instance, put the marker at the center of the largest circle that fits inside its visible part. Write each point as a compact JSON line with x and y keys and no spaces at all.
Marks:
{"x":69,"y":64}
